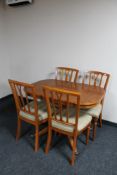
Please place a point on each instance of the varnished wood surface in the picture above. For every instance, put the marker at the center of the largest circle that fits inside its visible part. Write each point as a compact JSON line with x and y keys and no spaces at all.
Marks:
{"x":89,"y":95}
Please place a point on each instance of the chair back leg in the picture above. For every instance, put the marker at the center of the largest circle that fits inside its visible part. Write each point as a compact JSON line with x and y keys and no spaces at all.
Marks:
{"x":49,"y":139}
{"x":18,"y":133}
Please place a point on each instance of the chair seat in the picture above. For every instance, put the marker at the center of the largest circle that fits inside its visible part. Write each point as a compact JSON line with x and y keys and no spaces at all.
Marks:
{"x":42,"y":111}
{"x":94,"y":111}
{"x":83,"y":121}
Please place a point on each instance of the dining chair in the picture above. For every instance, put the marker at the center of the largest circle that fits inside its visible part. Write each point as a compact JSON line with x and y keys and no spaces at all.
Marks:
{"x":65,"y":119}
{"x":29,"y":108}
{"x":100,"y":79}
{"x":67,"y":74}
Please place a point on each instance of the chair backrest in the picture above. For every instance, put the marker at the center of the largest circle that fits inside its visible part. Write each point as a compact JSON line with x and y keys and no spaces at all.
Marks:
{"x":66,"y":74}
{"x":23,"y":99}
{"x":96,"y":78}
{"x":59,"y":107}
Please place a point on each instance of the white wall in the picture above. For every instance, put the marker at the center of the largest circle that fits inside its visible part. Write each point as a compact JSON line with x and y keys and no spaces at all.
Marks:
{"x":77,"y":33}
{"x":4,"y":62}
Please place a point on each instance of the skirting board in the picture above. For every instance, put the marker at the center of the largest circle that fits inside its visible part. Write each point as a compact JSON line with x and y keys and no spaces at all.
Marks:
{"x":7,"y":100}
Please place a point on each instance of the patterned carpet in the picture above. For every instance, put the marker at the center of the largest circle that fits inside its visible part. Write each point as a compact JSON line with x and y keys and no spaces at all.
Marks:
{"x":98,"y":158}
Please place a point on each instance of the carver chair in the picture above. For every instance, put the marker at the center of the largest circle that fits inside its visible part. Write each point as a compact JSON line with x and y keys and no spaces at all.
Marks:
{"x":65,"y":119}
{"x":67,"y":74}
{"x":29,"y":108}
{"x":100,"y":79}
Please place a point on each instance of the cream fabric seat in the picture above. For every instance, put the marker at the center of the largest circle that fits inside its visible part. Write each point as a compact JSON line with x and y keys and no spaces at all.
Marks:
{"x":42,"y":111}
{"x":94,"y":111}
{"x":83,"y":121}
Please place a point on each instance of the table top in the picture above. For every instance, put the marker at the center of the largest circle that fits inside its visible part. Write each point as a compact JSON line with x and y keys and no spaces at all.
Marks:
{"x":89,"y":95}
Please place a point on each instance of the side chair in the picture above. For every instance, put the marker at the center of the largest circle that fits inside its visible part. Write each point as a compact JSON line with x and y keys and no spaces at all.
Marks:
{"x":67,"y":74}
{"x":65,"y":119}
{"x":29,"y":108}
{"x":100,"y":79}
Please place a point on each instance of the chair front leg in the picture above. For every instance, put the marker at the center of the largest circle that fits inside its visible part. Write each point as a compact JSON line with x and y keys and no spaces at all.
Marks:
{"x":100,"y":120}
{"x":48,"y":140}
{"x":70,"y":139}
{"x":87,"y":135}
{"x":18,"y":129}
{"x":95,"y":120}
{"x":36,"y":138}
{"x":74,"y":150}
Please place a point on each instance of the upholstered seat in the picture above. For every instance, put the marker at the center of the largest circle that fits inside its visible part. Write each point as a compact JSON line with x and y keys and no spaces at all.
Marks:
{"x":42,"y":111}
{"x":94,"y":111}
{"x":83,"y":121}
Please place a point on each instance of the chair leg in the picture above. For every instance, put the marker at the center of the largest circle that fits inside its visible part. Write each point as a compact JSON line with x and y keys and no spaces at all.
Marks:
{"x":48,"y":140}
{"x":100,"y":120}
{"x":74,"y":150}
{"x":18,"y":129}
{"x":95,"y":120}
{"x":70,"y":139}
{"x":36,"y":138}
{"x":87,"y":135}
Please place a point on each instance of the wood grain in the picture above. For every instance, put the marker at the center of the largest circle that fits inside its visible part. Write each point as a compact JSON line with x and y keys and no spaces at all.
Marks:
{"x":89,"y":95}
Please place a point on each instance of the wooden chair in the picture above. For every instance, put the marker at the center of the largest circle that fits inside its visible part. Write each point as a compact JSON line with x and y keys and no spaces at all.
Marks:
{"x":65,"y":119}
{"x":67,"y":74}
{"x":96,"y":78}
{"x":29,"y":108}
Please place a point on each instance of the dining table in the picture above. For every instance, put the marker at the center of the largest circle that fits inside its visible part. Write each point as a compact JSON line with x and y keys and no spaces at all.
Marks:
{"x":90,"y":95}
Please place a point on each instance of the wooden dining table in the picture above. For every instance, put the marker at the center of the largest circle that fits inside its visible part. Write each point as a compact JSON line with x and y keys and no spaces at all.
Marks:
{"x":89,"y":95}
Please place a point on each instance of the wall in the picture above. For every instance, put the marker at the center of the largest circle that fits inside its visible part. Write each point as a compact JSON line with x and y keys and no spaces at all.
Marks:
{"x":50,"y":33}
{"x":4,"y":61}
